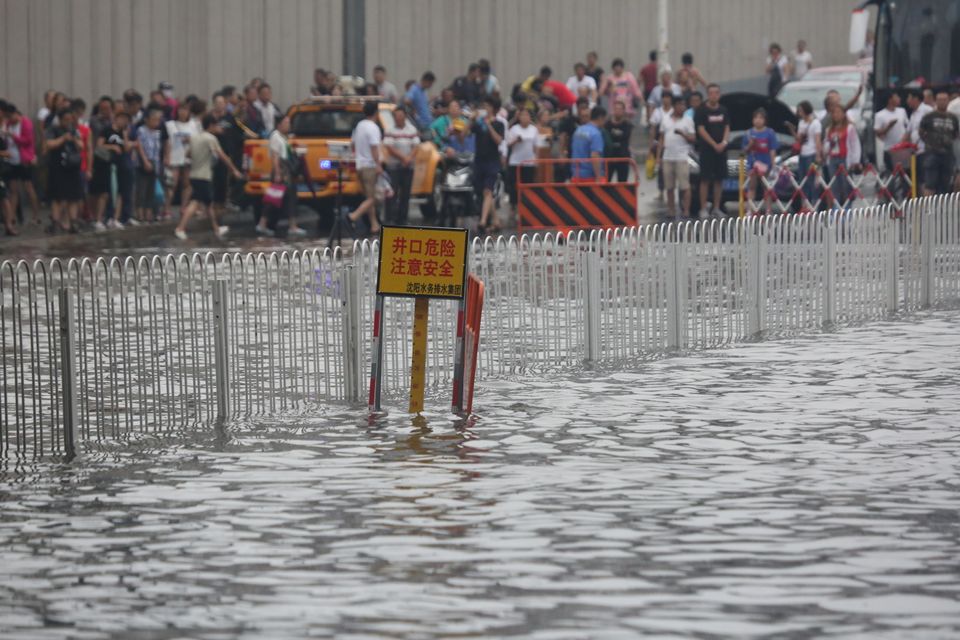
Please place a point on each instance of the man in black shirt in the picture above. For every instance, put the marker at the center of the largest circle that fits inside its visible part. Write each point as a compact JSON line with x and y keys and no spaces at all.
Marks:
{"x":619,"y":128}
{"x":939,"y":130}
{"x":713,"y":134}
{"x":593,"y":70}
{"x":489,"y":133}
{"x":230,"y":136}
{"x":466,"y":88}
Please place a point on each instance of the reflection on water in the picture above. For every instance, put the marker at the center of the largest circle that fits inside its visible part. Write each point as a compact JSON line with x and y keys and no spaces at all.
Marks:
{"x":793,"y":489}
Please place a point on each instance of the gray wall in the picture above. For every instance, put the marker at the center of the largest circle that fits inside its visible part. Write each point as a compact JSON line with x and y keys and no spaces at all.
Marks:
{"x":727,"y":37}
{"x":91,"y":47}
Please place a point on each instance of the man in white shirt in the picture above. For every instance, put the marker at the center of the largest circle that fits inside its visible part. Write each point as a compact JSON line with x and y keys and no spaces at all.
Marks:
{"x":802,"y":60}
{"x":580,"y":80}
{"x":666,"y":86}
{"x":269,"y":112}
{"x":366,"y":148}
{"x":918,"y":109}
{"x":890,"y":125}
{"x":384,"y":87}
{"x":655,"y":119}
{"x":399,"y":149}
{"x":677,"y":135}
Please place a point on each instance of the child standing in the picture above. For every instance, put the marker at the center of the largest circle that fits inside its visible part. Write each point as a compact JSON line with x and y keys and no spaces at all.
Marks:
{"x":148,"y":164}
{"x":760,"y":143}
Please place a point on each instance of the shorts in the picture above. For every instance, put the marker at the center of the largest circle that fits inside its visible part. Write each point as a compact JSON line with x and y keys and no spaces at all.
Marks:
{"x":713,"y":165}
{"x":368,"y":181}
{"x":21,"y":172}
{"x":220,"y":183}
{"x":938,"y":171}
{"x":485,"y":175}
{"x":201,"y":191}
{"x":676,"y":175}
{"x":146,"y":194}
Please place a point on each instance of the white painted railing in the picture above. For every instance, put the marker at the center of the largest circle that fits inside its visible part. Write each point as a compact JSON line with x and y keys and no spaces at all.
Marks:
{"x":166,"y":343}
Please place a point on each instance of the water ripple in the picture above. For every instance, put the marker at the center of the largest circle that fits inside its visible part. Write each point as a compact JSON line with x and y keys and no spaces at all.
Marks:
{"x":805,"y":488}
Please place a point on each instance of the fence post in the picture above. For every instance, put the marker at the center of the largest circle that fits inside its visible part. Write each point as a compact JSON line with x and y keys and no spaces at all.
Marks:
{"x":376,"y":357}
{"x":68,"y":372}
{"x":757,"y":279}
{"x":673,"y":305}
{"x":221,"y":348}
{"x":926,"y":258}
{"x":592,"y":326}
{"x":830,"y":271}
{"x":456,"y":404}
{"x":680,"y":295}
{"x":893,"y":261}
{"x":351,"y":334}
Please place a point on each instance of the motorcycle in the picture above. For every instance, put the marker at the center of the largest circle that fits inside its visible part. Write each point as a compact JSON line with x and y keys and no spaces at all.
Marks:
{"x":458,"y":196}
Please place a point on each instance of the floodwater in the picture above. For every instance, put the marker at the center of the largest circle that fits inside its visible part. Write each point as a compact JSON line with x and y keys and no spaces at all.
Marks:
{"x":804,"y":488}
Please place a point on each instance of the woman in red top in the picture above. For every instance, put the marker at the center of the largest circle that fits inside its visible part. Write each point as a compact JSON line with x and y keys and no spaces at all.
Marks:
{"x":86,"y":157}
{"x":842,"y":149}
{"x":565,"y":98}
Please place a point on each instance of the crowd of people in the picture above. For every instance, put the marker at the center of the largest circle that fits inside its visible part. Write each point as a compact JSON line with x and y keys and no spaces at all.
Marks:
{"x":129,"y":161}
{"x":586,"y":122}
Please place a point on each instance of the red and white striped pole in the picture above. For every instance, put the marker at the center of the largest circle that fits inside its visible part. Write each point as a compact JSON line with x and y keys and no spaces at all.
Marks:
{"x":457,"y":404}
{"x":376,"y":369}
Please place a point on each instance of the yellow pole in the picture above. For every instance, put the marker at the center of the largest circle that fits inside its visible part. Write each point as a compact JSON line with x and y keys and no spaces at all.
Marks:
{"x":418,"y":369}
{"x":742,"y":170}
{"x":913,"y":175}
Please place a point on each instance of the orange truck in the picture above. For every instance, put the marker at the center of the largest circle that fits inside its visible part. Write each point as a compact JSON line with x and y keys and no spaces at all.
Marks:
{"x":320,"y":128}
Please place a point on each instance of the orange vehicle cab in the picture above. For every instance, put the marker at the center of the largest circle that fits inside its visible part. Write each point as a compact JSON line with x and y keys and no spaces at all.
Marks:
{"x":320,"y":131}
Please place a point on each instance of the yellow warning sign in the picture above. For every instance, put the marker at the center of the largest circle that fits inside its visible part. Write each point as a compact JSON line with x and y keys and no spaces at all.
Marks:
{"x":422,"y":261}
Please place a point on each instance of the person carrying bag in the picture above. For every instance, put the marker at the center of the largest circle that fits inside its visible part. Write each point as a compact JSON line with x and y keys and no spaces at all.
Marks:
{"x":280,"y":198}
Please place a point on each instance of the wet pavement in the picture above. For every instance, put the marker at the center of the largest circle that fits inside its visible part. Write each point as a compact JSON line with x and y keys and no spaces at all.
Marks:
{"x":798,"y":489}
{"x":158,"y":238}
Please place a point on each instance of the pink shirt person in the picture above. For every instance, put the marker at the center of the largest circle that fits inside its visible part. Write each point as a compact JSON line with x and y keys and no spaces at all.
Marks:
{"x":621,"y":86}
{"x":24,"y":140}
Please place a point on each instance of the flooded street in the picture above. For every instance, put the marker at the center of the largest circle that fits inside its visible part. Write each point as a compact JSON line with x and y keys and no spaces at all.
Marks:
{"x":793,"y":489}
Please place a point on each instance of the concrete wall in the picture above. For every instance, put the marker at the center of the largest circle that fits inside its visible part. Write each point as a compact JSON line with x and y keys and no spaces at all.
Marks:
{"x":92,"y":47}
{"x":728,"y":38}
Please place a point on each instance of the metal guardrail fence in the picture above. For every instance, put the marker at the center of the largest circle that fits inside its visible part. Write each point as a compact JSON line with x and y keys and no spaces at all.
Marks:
{"x":783,"y":191}
{"x":110,"y":348}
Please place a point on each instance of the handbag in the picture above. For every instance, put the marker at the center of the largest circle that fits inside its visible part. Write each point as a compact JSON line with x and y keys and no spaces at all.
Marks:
{"x":651,"y":166}
{"x":273,"y":195}
{"x":70,"y":160}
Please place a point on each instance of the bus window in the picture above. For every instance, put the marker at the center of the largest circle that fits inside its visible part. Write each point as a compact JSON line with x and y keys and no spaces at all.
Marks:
{"x":920,"y":41}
